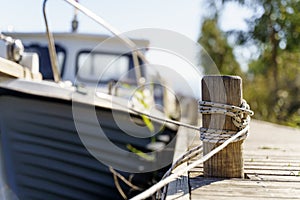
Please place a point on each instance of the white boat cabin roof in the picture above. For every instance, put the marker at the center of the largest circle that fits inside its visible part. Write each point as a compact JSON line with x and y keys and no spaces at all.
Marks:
{"x":72,"y":48}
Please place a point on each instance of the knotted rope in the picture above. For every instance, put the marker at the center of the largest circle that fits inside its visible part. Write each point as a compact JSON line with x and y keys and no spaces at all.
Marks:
{"x":240,"y":118}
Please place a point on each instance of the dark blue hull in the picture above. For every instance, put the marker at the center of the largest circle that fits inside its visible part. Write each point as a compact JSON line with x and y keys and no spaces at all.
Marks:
{"x":44,"y":158}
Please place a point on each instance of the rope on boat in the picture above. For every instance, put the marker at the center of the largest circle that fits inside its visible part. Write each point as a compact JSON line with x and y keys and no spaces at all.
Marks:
{"x":166,"y":120}
{"x":116,"y":175}
{"x":240,"y":118}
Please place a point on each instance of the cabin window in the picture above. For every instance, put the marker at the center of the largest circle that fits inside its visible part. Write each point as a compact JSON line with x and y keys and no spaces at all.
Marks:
{"x":61,"y":55}
{"x":44,"y":58}
{"x":102,"y":67}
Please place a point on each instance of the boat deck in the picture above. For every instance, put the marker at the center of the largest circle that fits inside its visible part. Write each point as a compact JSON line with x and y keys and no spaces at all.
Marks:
{"x":272,"y":168}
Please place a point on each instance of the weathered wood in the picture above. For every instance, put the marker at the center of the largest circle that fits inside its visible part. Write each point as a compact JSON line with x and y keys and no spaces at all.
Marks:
{"x":239,"y":188}
{"x":179,"y":188}
{"x":268,"y":171}
{"x":229,"y":162}
{"x":272,"y":173}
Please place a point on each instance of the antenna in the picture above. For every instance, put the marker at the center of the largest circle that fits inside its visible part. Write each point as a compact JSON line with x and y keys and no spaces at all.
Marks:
{"x":136,"y":53}
{"x":75,"y":21}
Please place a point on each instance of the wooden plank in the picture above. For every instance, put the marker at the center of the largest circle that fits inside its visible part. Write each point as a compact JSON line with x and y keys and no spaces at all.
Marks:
{"x":273,"y":158}
{"x":273,"y":172}
{"x":265,"y":170}
{"x":245,"y":183}
{"x":225,"y":197}
{"x":273,"y":154}
{"x":254,"y":192}
{"x":179,"y":189}
{"x":244,"y":189}
{"x":285,"y":164}
{"x":272,"y":166}
{"x":273,"y":178}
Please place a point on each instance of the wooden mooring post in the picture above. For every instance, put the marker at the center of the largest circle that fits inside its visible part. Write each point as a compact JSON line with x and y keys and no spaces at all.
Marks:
{"x":228,"y":163}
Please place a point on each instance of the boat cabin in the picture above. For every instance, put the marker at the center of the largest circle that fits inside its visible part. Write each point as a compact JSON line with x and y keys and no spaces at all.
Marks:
{"x":84,"y":58}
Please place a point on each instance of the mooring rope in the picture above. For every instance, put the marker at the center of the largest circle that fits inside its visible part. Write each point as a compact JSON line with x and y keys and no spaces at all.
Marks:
{"x":165,"y":120}
{"x":240,"y":118}
{"x":187,"y":156}
{"x":117,"y":175}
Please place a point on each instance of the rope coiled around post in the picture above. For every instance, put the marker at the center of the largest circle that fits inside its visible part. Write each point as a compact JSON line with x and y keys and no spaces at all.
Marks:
{"x":240,"y":118}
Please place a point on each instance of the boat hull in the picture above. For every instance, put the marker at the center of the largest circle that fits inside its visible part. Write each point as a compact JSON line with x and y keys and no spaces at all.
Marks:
{"x":44,"y":157}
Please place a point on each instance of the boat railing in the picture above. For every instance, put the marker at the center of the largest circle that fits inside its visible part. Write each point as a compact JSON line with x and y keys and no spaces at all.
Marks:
{"x":136,"y":53}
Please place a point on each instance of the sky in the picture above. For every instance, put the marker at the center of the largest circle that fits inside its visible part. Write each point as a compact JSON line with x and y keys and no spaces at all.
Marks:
{"x":182,"y":17}
{"x":176,"y":15}
{"x":26,"y":15}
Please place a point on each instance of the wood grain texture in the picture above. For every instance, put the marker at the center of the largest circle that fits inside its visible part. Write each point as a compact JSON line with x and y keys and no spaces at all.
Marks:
{"x":179,"y":189}
{"x":228,"y":163}
{"x":271,"y":165}
{"x":272,"y":168}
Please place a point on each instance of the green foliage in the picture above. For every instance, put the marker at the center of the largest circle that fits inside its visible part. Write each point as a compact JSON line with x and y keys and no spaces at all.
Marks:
{"x":216,"y":45}
{"x":272,"y":82}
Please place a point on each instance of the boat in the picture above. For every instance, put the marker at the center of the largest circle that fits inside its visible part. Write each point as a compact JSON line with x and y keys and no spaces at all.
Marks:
{"x":69,"y":138}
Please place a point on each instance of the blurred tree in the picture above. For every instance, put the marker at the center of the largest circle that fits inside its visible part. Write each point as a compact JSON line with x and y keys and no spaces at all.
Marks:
{"x":273,"y":80}
{"x":216,"y":45}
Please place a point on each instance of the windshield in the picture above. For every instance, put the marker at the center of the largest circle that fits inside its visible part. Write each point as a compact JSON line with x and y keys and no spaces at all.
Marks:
{"x":104,"y":67}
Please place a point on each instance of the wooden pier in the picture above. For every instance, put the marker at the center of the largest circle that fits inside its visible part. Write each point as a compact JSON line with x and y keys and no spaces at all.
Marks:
{"x":271,"y":166}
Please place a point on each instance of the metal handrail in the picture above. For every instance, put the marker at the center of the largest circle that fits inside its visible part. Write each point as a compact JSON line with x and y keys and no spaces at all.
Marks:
{"x":136,"y":53}
{"x":52,"y":51}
